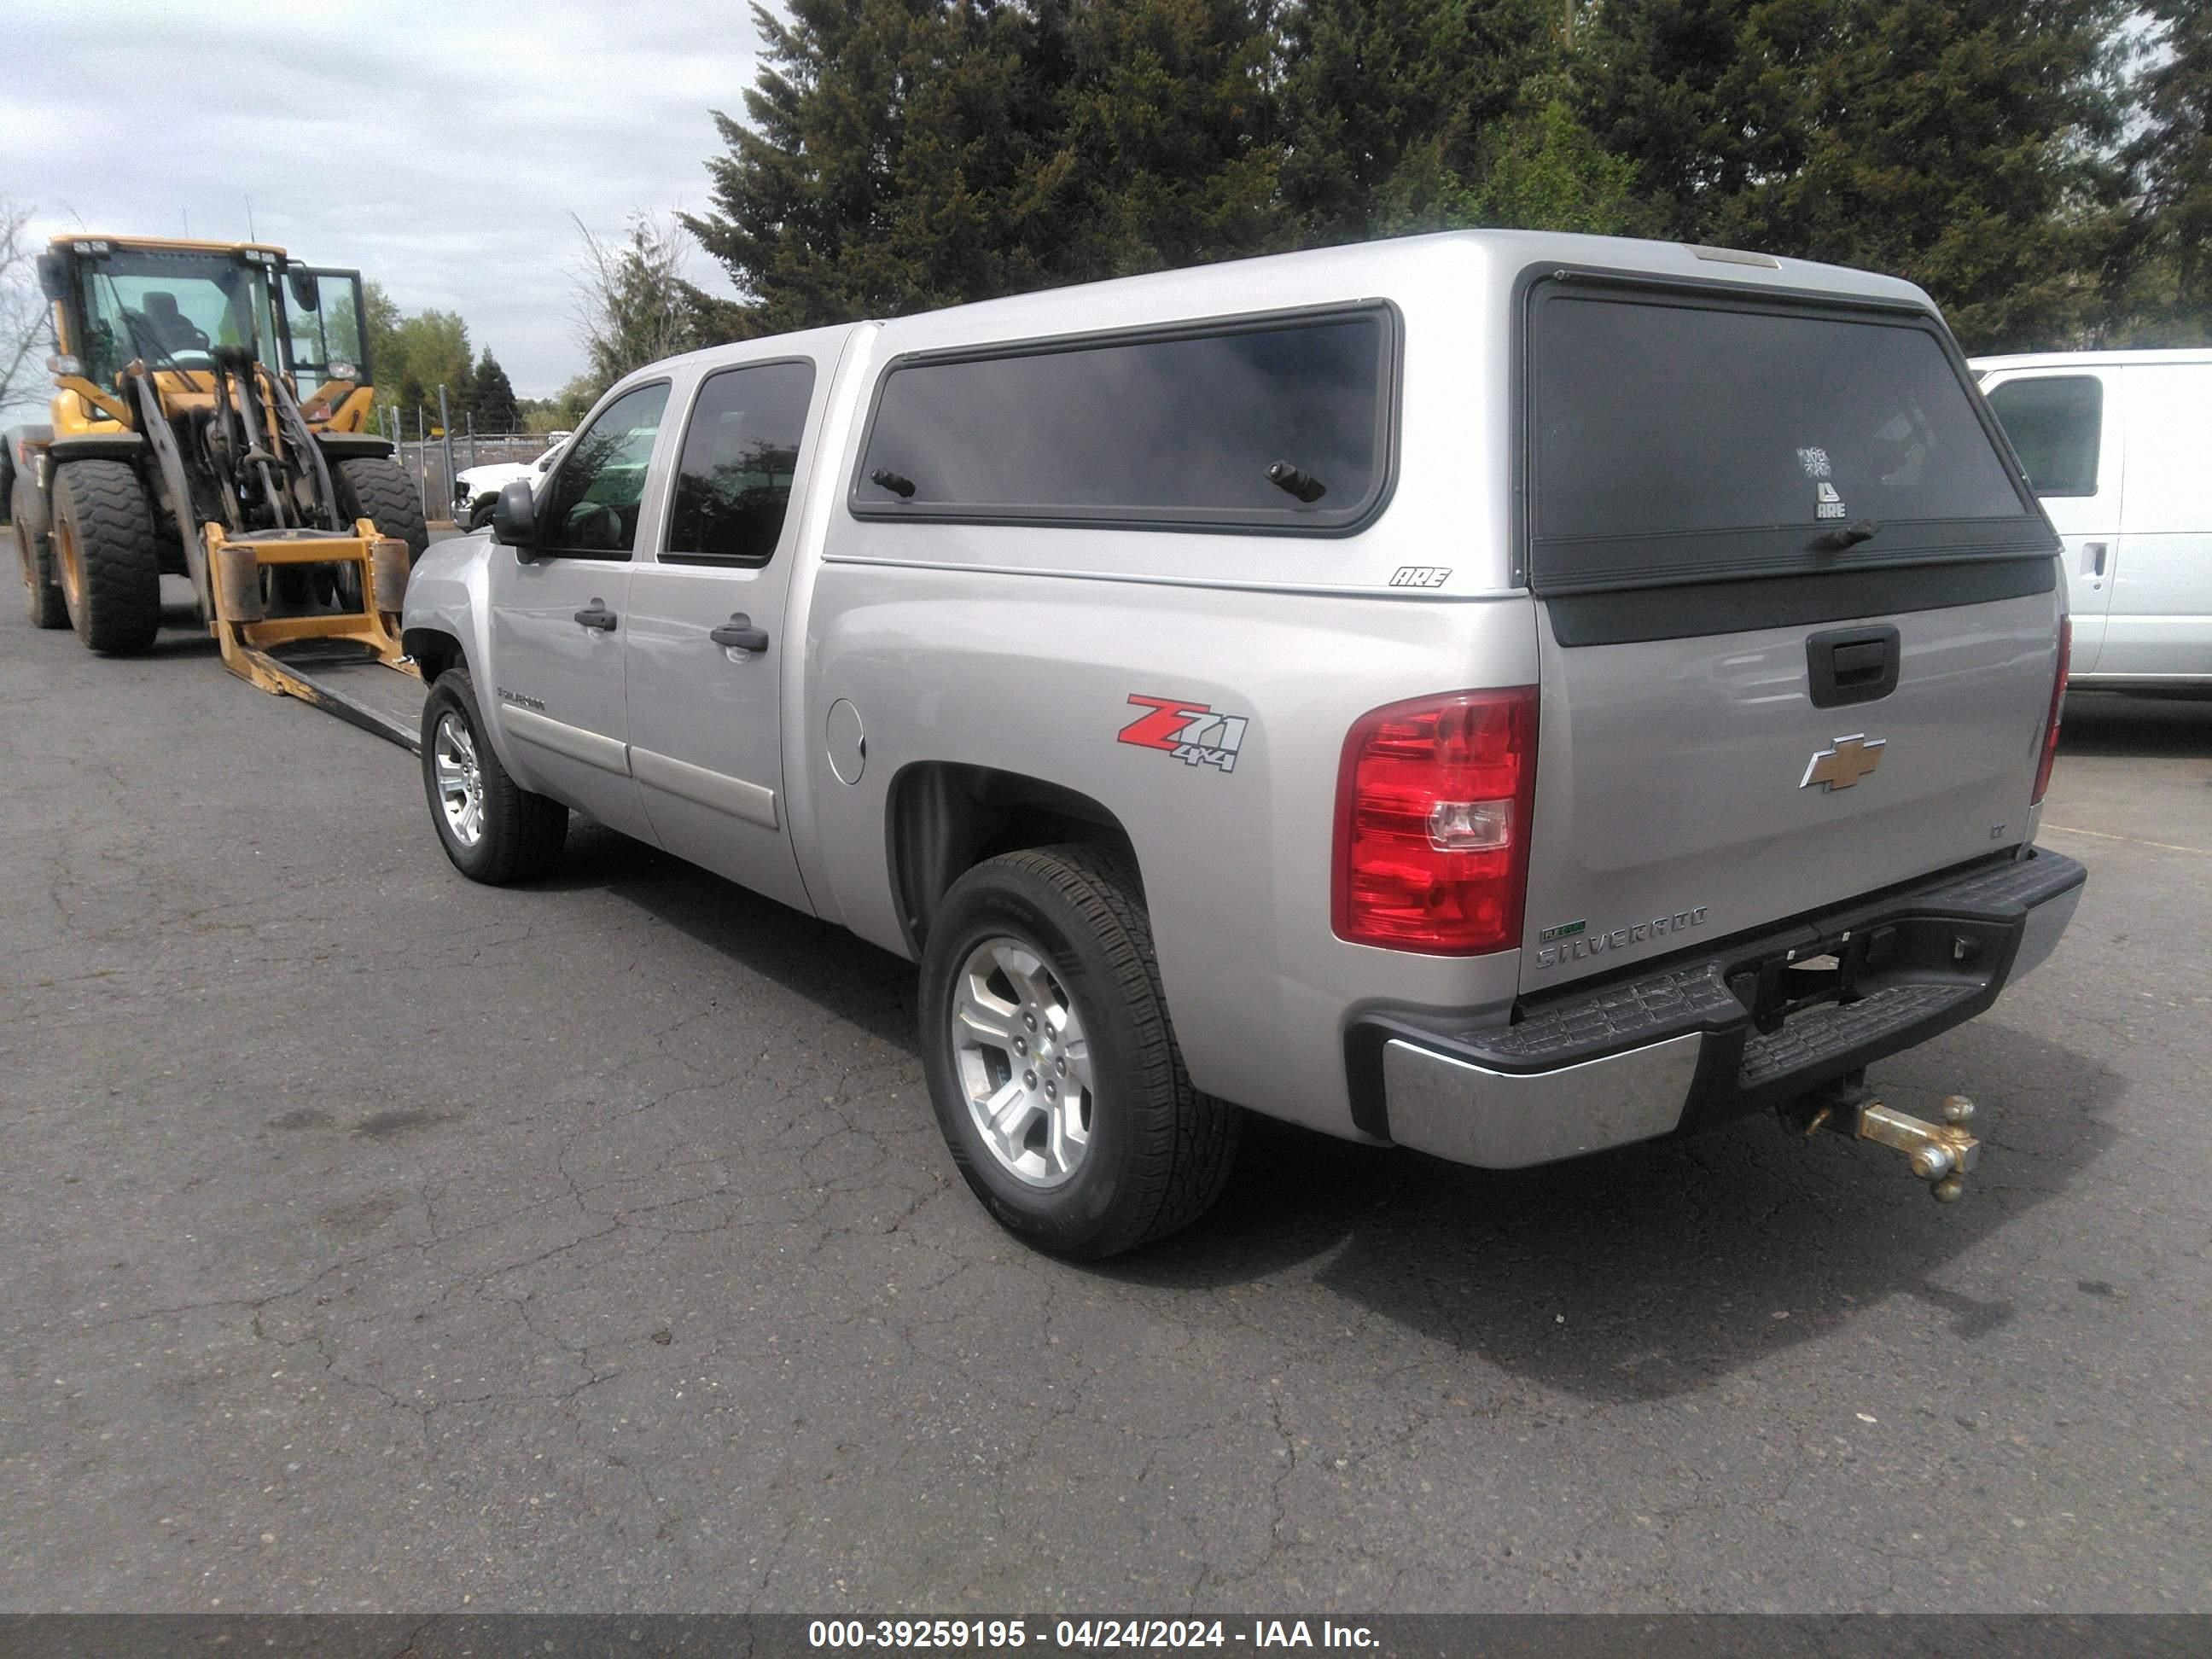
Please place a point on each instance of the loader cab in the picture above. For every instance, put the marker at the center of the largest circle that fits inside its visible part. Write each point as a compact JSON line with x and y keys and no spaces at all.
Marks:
{"x":170,"y":305}
{"x":174,"y":305}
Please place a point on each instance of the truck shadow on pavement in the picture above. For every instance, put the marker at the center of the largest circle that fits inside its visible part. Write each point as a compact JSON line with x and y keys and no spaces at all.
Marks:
{"x":1648,"y":1271}
{"x":828,"y":966}
{"x":2111,"y":723}
{"x":1633,"y":1274}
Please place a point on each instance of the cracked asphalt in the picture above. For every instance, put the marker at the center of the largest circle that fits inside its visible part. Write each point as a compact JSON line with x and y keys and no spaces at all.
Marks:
{"x":373,"y":1240}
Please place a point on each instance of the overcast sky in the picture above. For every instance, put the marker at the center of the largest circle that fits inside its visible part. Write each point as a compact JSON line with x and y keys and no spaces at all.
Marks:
{"x":438,"y":145}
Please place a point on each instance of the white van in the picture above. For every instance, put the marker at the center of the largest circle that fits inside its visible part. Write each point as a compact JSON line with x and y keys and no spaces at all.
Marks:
{"x":2119,"y":445}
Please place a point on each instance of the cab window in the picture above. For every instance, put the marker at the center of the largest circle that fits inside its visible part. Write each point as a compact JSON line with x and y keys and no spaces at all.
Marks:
{"x":593,"y":507}
{"x":739,"y":453}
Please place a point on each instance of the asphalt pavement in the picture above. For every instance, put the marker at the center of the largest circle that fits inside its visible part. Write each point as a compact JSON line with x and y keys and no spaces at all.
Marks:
{"x":373,"y":1240}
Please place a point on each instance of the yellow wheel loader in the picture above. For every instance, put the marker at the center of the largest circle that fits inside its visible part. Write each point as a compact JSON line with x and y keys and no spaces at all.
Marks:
{"x":206,"y":422}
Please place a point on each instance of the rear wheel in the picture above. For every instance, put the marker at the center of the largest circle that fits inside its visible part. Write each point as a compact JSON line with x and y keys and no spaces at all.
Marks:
{"x":107,"y":555}
{"x":1052,"y":1065}
{"x":379,"y":491}
{"x":493,"y":829}
{"x":42,"y":594}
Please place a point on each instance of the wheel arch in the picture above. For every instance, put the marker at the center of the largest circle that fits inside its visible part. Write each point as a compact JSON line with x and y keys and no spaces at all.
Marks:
{"x":435,"y":650}
{"x":943,"y":817}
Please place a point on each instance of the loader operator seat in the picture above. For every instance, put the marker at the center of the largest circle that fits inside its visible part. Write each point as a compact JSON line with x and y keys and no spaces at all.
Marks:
{"x":169,"y":327}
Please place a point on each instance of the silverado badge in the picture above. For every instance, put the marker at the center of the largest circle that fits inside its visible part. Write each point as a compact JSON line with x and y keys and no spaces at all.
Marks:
{"x":1843,"y":765}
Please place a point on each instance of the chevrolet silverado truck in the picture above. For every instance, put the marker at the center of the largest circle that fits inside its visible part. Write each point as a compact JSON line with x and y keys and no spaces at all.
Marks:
{"x":1503,"y":694}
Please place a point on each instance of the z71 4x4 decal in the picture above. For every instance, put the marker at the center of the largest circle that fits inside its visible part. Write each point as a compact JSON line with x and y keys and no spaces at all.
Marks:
{"x":1196,"y":733}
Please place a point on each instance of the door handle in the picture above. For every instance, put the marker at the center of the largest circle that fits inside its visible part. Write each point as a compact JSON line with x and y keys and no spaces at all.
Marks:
{"x":596,"y":615}
{"x":2093,"y":558}
{"x":739,"y":634}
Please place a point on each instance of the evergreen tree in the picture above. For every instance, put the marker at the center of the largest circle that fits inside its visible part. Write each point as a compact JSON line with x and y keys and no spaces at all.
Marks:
{"x":903,"y":153}
{"x":1424,"y":114}
{"x":495,"y":406}
{"x":2167,"y":269}
{"x":1962,"y":143}
{"x":1164,"y":151}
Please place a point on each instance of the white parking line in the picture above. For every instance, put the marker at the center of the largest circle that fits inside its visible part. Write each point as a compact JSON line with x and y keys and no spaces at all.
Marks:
{"x":2136,"y":841}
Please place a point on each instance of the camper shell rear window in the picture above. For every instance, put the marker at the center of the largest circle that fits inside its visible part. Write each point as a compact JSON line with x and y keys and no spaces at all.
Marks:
{"x":1281,"y":424}
{"x":1678,"y":437}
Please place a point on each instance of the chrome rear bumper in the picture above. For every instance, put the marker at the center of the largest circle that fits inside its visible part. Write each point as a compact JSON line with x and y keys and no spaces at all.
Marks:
{"x":1681,"y":1046}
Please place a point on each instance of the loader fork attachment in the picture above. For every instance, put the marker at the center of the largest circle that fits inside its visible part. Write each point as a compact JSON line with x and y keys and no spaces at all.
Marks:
{"x":251,"y":641}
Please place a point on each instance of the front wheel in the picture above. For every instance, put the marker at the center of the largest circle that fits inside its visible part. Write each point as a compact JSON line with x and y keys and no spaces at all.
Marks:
{"x":1053,"y":1066}
{"x":109,"y":556}
{"x":493,"y":829}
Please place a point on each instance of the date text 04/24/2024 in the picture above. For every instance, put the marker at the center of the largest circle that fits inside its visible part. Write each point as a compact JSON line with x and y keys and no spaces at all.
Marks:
{"x":1084,"y":1635}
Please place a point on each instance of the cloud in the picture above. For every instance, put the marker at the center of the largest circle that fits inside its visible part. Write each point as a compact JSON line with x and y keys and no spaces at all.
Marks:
{"x":439,"y":147}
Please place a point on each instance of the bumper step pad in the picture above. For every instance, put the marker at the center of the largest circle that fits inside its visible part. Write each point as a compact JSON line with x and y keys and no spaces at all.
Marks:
{"x":1814,"y":1034}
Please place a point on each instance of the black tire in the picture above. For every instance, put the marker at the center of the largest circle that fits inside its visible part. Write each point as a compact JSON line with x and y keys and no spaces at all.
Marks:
{"x":379,"y":491}
{"x":107,"y":555}
{"x":42,"y":593}
{"x":522,"y":833}
{"x":1159,"y":1150}
{"x":480,"y":515}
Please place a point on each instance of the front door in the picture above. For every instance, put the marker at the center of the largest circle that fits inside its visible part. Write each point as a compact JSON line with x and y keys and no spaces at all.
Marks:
{"x":706,"y":638}
{"x":2065,"y":425}
{"x":557,"y":620}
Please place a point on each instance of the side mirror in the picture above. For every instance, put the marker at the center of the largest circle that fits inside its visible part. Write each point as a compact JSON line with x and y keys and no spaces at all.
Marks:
{"x":53,"y":276}
{"x":514,"y":520}
{"x":307,"y":293}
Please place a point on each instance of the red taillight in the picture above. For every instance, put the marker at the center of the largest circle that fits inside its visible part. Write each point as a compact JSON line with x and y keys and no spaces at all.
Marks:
{"x":2058,"y":698}
{"x":1433,"y":800}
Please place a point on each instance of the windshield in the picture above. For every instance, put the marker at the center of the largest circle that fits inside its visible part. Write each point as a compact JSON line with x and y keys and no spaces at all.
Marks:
{"x":330,"y":334}
{"x":171,"y":308}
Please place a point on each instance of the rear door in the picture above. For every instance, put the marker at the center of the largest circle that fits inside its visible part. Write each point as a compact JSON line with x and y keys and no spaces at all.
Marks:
{"x":2069,"y":428}
{"x":557,"y":619}
{"x":1798,"y":618}
{"x":2161,"y":599}
{"x":707,"y":636}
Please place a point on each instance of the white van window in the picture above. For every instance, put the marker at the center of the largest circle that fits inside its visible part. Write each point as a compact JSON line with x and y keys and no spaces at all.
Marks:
{"x":1283,"y":426}
{"x":2057,"y":424}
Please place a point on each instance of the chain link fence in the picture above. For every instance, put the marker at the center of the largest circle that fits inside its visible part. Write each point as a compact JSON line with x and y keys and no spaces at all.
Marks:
{"x":431,"y":462}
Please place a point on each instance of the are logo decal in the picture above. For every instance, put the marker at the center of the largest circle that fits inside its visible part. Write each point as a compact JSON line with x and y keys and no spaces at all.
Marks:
{"x":1196,"y":733}
{"x":1420,"y":575}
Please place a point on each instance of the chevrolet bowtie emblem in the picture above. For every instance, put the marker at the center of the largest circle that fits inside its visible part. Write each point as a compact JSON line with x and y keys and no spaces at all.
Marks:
{"x":1841,"y":767}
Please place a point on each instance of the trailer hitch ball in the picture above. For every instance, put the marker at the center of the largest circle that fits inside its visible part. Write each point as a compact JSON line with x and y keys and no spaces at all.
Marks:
{"x":1940,"y":1154}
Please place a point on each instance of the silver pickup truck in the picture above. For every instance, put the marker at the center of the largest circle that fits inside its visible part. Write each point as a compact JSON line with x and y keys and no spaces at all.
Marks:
{"x":1503,"y":694}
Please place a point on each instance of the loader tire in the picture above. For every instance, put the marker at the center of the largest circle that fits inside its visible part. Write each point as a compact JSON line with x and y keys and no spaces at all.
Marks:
{"x":42,"y":593}
{"x":493,"y":829}
{"x":108,"y":557}
{"x":380,"y":492}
